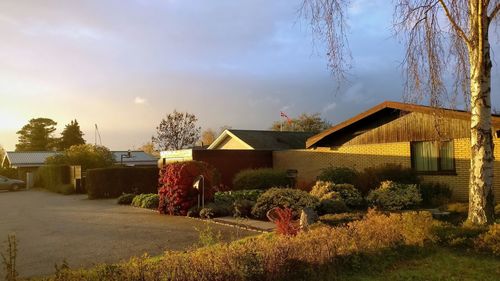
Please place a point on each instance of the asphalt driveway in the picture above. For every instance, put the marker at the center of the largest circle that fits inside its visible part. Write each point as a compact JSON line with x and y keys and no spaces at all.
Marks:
{"x":51,"y":228}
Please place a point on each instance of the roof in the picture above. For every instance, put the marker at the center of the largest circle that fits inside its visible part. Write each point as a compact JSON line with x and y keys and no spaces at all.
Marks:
{"x":395,"y":108}
{"x":265,"y":140}
{"x":28,"y":158}
{"x":37,"y":158}
{"x":137,"y":158}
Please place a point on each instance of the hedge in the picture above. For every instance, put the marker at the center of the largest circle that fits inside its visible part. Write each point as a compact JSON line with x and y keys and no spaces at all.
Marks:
{"x":55,"y":178}
{"x":263,"y":178}
{"x":113,"y":182}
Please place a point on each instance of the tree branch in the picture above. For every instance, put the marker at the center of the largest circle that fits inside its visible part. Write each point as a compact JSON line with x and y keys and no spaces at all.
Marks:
{"x":457,"y":28}
{"x":494,"y":12}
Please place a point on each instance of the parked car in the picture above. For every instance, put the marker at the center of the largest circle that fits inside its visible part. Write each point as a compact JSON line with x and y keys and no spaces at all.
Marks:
{"x":11,"y":184}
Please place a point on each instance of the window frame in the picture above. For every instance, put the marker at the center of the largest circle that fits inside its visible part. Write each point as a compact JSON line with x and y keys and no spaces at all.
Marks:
{"x":439,"y":170}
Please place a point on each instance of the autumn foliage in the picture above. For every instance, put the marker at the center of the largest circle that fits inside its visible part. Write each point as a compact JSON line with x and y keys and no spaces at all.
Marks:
{"x":176,"y":190}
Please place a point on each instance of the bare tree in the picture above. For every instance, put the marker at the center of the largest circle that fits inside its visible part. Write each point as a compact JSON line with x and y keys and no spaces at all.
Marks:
{"x":440,"y":36}
{"x":178,"y":131}
{"x":208,"y":137}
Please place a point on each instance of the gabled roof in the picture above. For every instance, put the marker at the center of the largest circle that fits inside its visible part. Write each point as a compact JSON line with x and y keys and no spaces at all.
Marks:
{"x":394,"y":109}
{"x":137,"y":158}
{"x":28,"y":158}
{"x":265,"y":140}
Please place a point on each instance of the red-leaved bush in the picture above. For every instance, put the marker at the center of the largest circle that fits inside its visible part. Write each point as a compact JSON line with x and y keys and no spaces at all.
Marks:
{"x":176,"y":190}
{"x":283,"y":218}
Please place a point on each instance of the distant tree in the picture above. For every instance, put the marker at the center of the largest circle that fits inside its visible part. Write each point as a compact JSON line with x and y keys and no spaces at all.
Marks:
{"x":178,"y":131}
{"x":71,"y":135}
{"x":223,"y":128}
{"x":37,"y":135}
{"x":208,"y":137}
{"x":149,"y":148}
{"x":86,"y":155}
{"x":304,"y":123}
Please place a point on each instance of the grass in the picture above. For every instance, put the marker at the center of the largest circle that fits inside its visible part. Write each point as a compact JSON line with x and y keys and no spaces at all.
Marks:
{"x":430,"y":264}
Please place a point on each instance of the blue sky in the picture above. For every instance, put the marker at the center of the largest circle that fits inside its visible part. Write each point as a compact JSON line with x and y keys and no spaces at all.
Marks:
{"x":125,"y":64}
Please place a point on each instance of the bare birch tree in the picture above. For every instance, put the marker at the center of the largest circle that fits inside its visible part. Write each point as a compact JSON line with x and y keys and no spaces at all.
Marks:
{"x":441,"y":37}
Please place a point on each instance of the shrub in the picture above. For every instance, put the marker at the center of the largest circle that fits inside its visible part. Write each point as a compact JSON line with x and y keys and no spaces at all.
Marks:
{"x":329,"y":206}
{"x":243,"y":208}
{"x":321,"y":189}
{"x":9,"y":172}
{"x":151,"y":202}
{"x":338,"y":175}
{"x":55,"y":178}
{"x":372,"y":177}
{"x":490,"y":241}
{"x":148,"y":201}
{"x":125,"y":199}
{"x":284,"y":198}
{"x":306,"y":256}
{"x":434,"y":194}
{"x":215,"y":210}
{"x":285,"y":224}
{"x":194,"y":212}
{"x":112,"y":182}
{"x":177,"y":194}
{"x":263,"y":178}
{"x":459,"y":208}
{"x":497,"y":210}
{"x":85,"y":155}
{"x":229,"y":197}
{"x":450,"y":235}
{"x":341,"y":218}
{"x":395,"y":196}
{"x":349,"y":194}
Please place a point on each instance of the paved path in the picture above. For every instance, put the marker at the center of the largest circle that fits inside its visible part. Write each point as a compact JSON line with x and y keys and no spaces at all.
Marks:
{"x":52,"y":227}
{"x":262,"y":226}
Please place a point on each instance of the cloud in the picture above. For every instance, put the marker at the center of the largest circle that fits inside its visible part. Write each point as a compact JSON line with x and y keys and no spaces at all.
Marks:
{"x":329,"y":107}
{"x":140,"y":100}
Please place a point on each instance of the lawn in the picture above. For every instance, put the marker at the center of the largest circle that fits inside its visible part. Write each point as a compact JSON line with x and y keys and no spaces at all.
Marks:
{"x":429,"y":264}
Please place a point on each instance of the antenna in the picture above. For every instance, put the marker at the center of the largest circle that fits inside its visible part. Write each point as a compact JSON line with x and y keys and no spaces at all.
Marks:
{"x":97,"y":134}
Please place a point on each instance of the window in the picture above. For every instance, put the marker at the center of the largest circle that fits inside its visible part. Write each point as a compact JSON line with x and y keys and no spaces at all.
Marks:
{"x":432,"y":156}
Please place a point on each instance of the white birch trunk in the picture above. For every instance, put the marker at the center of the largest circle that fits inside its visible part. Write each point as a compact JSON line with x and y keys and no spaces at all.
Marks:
{"x":481,"y":208}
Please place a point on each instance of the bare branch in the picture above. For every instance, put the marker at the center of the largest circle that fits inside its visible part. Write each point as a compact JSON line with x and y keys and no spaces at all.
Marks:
{"x":494,"y":12}
{"x":328,"y":20}
{"x":457,"y":28}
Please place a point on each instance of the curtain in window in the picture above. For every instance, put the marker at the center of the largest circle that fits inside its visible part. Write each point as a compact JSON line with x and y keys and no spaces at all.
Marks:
{"x":446,"y":155}
{"x":425,"y":156}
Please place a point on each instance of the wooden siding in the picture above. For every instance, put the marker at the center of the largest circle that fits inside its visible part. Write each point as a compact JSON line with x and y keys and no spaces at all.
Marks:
{"x":414,"y":126}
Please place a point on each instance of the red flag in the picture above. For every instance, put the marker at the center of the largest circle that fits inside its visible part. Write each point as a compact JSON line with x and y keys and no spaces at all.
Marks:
{"x":285,"y":116}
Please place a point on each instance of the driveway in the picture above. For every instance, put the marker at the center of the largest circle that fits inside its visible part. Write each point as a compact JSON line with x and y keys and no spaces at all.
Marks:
{"x":51,"y":228}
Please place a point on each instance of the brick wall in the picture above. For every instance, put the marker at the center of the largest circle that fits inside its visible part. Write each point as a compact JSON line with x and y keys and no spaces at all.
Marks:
{"x":310,"y":162}
{"x":230,"y":162}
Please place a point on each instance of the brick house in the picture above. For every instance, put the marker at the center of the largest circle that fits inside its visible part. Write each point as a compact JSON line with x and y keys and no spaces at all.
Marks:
{"x":434,"y":142}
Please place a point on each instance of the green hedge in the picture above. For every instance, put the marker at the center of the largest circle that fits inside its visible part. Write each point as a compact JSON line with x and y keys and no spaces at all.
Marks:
{"x":229,"y":197}
{"x":55,"y":178}
{"x":263,"y":178}
{"x":113,"y":182}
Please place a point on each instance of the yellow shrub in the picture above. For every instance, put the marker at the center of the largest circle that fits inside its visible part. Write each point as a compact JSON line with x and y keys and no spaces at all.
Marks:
{"x":490,"y":241}
{"x":272,"y":257}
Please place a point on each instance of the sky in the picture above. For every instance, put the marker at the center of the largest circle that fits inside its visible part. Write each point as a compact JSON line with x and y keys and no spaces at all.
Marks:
{"x":124,"y":65}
